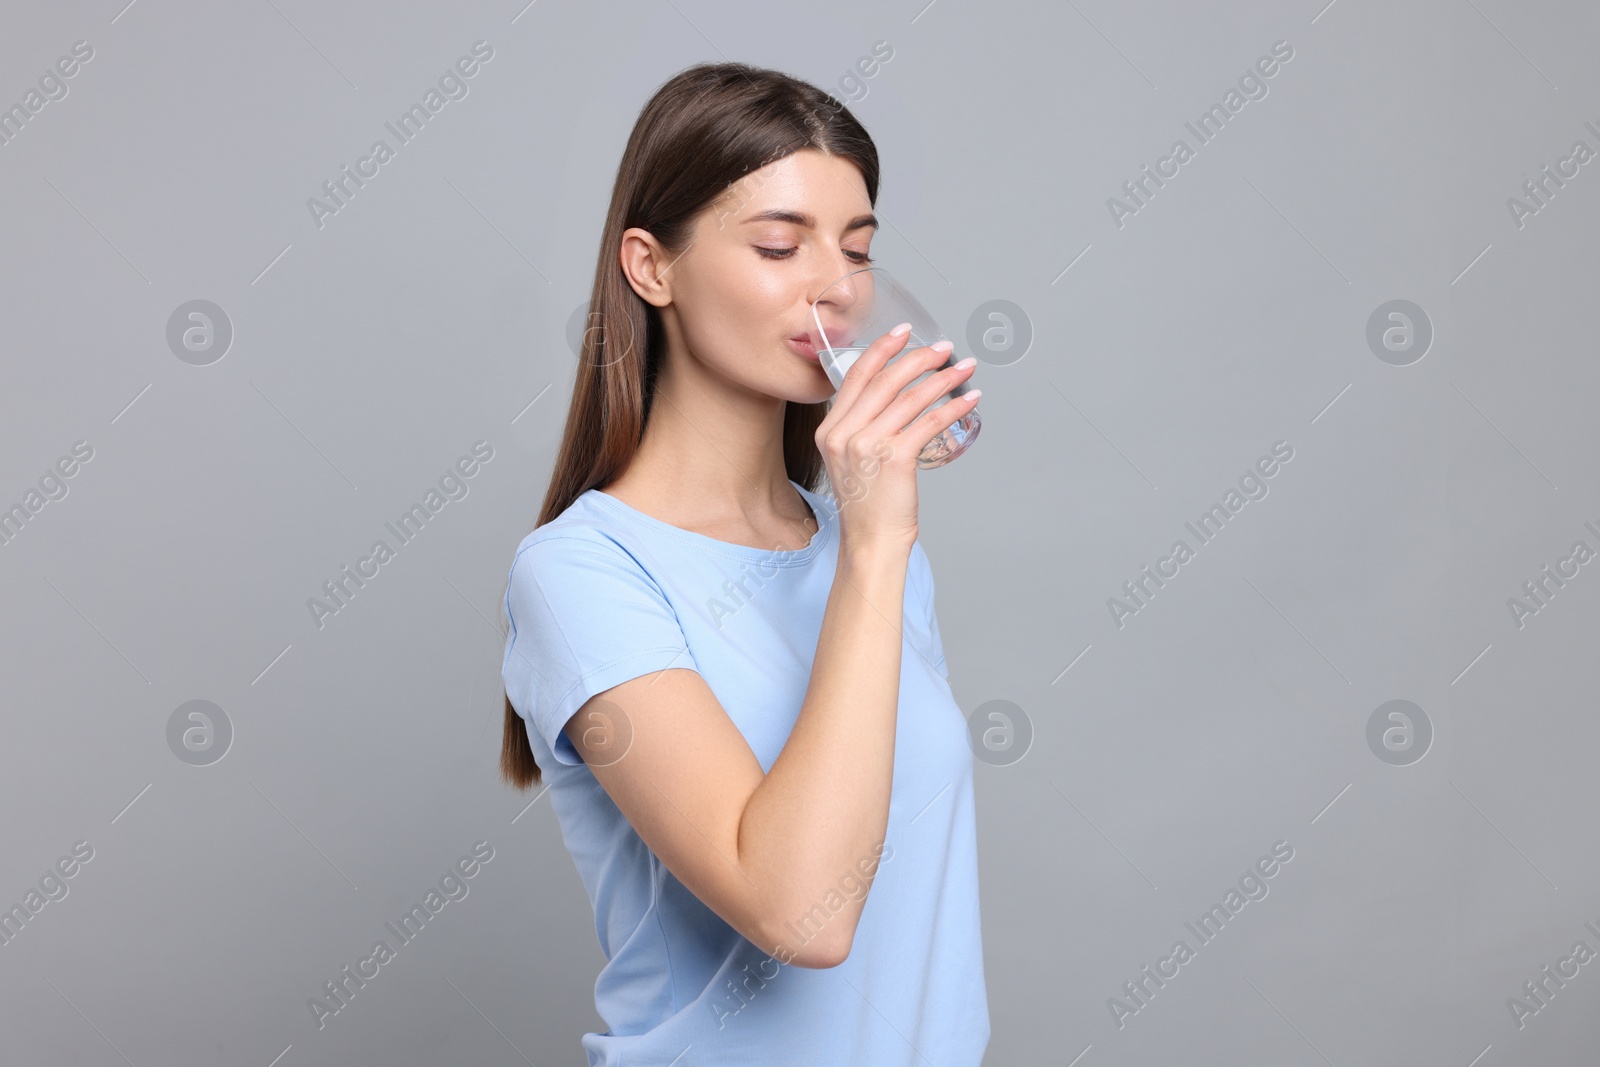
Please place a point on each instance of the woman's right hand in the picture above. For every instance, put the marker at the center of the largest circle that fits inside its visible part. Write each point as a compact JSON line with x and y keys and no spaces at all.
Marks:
{"x":873,"y":434}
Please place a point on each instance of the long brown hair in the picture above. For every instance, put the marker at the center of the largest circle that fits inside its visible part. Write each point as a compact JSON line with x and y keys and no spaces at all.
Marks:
{"x":703,"y":131}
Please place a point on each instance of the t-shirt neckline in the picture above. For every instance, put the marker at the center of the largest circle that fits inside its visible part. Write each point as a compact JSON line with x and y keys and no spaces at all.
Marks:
{"x":769,"y":556}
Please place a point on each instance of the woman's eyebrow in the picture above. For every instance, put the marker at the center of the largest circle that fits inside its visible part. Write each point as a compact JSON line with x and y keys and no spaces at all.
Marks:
{"x":800,"y":218}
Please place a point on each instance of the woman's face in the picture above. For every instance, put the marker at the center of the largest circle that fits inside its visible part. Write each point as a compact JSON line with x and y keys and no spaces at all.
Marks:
{"x":756,"y":260}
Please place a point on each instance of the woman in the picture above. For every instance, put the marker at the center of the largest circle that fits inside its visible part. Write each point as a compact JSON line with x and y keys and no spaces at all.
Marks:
{"x":738,"y":688}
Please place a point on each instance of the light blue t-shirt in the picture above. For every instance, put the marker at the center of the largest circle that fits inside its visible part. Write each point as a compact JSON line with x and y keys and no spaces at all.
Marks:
{"x":604,"y":593}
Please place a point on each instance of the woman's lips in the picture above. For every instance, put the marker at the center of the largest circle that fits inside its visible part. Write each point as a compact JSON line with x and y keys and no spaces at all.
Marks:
{"x":804,"y":347}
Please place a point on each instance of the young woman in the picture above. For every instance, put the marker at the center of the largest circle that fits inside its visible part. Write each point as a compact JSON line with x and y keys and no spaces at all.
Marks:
{"x":737,"y":687}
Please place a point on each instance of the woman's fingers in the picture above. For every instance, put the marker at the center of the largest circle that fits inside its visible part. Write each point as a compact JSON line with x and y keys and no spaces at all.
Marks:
{"x":869,"y":363}
{"x":880,"y":390}
{"x":905,"y":407}
{"x":933,"y":423}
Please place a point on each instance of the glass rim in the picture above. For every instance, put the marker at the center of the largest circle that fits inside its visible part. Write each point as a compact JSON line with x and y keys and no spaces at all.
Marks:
{"x":885,"y":284}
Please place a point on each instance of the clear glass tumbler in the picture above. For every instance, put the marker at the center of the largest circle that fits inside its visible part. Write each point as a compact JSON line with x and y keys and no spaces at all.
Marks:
{"x":861,"y":307}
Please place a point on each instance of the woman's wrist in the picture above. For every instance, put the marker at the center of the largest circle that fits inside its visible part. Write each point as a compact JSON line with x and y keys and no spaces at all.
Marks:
{"x":875,"y":553}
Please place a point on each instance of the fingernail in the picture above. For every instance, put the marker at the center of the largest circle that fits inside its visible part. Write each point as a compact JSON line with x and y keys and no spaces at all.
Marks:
{"x":970,"y":361}
{"x":975,"y":394}
{"x":901,"y":330}
{"x":943,"y":346}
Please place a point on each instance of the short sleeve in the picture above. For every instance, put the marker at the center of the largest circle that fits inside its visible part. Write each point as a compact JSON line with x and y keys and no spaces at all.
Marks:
{"x":585,"y":616}
{"x":925,"y":580}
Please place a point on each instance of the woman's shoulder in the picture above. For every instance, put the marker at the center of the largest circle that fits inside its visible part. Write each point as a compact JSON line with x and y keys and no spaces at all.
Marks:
{"x":580,"y":535}
{"x":578,"y":520}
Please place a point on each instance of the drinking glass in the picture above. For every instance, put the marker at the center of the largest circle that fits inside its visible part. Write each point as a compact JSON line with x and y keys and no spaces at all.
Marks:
{"x":861,"y":307}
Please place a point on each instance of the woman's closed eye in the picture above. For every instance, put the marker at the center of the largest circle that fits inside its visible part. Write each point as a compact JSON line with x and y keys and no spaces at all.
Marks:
{"x":785,"y":253}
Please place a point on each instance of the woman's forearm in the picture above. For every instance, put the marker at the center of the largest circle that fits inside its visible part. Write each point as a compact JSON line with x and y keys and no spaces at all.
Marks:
{"x":822,"y":811}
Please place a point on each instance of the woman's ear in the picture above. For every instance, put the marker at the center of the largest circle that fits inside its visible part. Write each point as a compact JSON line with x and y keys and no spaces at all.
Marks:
{"x":646,"y":265}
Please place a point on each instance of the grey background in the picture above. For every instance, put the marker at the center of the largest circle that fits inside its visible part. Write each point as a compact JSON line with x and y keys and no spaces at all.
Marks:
{"x":1229,"y":313}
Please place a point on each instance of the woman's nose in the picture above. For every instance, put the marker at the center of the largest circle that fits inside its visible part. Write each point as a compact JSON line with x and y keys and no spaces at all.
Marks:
{"x":837,"y":284}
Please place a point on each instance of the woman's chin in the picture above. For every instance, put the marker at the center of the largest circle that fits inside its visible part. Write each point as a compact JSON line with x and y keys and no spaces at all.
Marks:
{"x":815,"y":392}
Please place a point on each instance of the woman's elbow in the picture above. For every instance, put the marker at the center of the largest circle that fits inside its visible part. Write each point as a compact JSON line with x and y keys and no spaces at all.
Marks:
{"x":825,"y":948}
